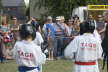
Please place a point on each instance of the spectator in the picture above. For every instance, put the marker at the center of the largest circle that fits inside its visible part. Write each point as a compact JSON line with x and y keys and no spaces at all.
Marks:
{"x":5,"y":29}
{"x":69,"y":27}
{"x":49,"y":31}
{"x":76,"y":24}
{"x":95,"y":33}
{"x":105,"y":47}
{"x":2,"y":56}
{"x":15,"y":29}
{"x":101,"y":25}
{"x":60,"y":33}
{"x":33,"y":21}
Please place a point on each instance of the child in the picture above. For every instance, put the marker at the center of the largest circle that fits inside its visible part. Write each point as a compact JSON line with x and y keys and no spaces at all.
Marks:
{"x":38,"y":40}
{"x":85,"y":49}
{"x":26,"y":53}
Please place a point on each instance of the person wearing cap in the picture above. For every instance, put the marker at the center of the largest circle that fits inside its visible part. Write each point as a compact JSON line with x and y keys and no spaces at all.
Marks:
{"x":59,"y":34}
{"x":64,"y":39}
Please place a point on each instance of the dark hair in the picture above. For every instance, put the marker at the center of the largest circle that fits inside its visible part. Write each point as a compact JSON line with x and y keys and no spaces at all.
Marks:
{"x":75,"y":16}
{"x":26,"y":30}
{"x":35,"y":25}
{"x":87,"y":26}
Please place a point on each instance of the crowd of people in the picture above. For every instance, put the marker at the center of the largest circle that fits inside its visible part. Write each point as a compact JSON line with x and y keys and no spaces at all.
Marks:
{"x":59,"y":34}
{"x":8,"y":37}
{"x":56,"y":39}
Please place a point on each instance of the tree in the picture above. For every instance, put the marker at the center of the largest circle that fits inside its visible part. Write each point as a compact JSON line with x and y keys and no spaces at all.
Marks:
{"x":65,"y":7}
{"x":1,"y":4}
{"x":58,"y":7}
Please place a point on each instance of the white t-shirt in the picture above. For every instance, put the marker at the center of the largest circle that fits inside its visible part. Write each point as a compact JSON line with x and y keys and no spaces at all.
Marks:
{"x":38,"y":40}
{"x":85,"y":47}
{"x":69,"y":30}
{"x":28,"y":54}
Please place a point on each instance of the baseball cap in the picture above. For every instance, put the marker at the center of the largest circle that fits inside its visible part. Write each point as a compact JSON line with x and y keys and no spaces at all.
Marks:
{"x":49,"y":17}
{"x":58,"y":18}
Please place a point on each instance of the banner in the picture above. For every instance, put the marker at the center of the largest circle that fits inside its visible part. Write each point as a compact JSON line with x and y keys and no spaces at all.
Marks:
{"x":97,"y":7}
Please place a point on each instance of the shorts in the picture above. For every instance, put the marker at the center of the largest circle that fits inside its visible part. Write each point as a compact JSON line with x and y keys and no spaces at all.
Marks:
{"x":51,"y":44}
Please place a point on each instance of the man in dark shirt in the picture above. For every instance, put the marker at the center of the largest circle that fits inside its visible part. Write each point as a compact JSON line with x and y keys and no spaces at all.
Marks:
{"x":100,"y":25}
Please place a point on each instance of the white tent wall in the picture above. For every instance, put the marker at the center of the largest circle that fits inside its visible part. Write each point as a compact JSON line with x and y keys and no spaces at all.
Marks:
{"x":80,"y":12}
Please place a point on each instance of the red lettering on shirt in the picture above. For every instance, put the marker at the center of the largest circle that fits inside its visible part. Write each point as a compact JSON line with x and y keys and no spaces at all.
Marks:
{"x":24,"y":55}
{"x":31,"y":54}
{"x":88,"y":46}
{"x":94,"y":45}
{"x":85,"y":44}
{"x":82,"y":44}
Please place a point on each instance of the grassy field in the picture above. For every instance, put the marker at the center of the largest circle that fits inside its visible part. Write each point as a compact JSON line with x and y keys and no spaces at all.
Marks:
{"x":50,"y":66}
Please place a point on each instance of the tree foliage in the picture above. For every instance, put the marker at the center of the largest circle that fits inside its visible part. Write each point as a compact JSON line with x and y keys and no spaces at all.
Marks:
{"x":0,"y":4}
{"x":65,"y":7}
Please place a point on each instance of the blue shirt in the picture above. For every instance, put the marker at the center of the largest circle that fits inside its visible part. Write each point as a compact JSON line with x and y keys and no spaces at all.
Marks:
{"x":50,"y":30}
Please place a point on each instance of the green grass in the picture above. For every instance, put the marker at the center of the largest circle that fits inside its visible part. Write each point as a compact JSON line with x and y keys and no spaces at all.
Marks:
{"x":57,"y":66}
{"x":50,"y":66}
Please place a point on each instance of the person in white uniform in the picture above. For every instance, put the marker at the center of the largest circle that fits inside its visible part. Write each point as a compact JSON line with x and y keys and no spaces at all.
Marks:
{"x":85,"y":49}
{"x":27,"y":54}
{"x":38,"y":40}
